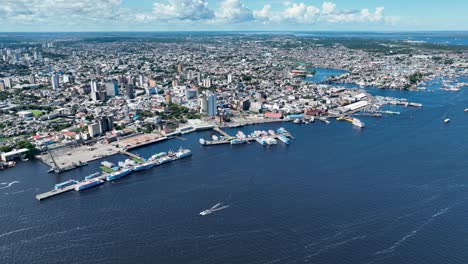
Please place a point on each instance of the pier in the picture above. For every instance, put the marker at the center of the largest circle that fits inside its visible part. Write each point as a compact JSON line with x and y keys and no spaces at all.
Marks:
{"x":228,"y":138}
{"x":103,"y":176}
{"x":226,"y":135}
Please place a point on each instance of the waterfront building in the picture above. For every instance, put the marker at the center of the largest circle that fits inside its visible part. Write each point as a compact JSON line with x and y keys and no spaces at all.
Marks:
{"x":203,"y":104}
{"x":94,"y":129}
{"x":15,"y":154}
{"x":212,"y":105}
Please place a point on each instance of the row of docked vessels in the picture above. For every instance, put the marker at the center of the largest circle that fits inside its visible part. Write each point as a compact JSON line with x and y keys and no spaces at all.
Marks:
{"x":96,"y":179}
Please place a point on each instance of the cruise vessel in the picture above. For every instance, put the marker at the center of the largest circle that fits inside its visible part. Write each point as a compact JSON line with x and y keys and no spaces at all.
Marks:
{"x":88,"y":184}
{"x":64,"y":184}
{"x":118,"y":174}
{"x":143,"y":166}
{"x":358,"y":123}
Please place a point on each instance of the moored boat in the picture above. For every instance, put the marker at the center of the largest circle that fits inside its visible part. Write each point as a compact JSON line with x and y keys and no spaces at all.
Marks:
{"x":118,"y":174}
{"x":88,"y":184}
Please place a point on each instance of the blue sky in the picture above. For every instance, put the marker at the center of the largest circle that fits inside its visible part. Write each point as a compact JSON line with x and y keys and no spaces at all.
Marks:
{"x":173,"y":15}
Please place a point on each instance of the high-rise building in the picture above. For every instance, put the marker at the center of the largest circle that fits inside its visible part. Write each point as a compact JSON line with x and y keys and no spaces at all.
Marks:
{"x":229,"y":78}
{"x":32,"y":79}
{"x":203,"y":103}
{"x":2,"y":86}
{"x":207,"y":82}
{"x":179,"y":68}
{"x":212,"y":105}
{"x":94,"y":86}
{"x":130,"y":91}
{"x":8,"y":83}
{"x":94,"y":129}
{"x":168,"y":97}
{"x":106,"y":124}
{"x":112,"y":88}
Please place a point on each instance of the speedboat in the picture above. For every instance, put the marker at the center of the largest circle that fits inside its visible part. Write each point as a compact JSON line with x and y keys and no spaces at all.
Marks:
{"x":446,"y":120}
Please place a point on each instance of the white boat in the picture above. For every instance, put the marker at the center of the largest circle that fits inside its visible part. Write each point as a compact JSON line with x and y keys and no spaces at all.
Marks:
{"x":271,"y":141}
{"x":358,"y":123}
{"x":466,"y":109}
{"x":215,"y":208}
{"x":215,"y":138}
{"x":297,"y":121}
{"x":271,"y":132}
{"x":201,"y":141}
{"x":446,"y":120}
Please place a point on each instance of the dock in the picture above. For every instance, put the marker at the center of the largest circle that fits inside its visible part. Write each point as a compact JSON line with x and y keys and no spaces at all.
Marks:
{"x":226,"y":135}
{"x":68,"y":188}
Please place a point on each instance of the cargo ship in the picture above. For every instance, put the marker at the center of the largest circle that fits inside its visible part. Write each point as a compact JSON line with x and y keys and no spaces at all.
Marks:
{"x":64,"y":184}
{"x":88,"y":184}
{"x":118,"y":174}
{"x":143,"y":166}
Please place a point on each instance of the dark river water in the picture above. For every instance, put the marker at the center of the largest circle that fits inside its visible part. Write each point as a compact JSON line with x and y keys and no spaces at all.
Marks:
{"x":394,"y":192}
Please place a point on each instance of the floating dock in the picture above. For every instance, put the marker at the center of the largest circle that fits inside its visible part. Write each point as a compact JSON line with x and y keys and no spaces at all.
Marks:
{"x":68,"y":188}
{"x":228,"y":138}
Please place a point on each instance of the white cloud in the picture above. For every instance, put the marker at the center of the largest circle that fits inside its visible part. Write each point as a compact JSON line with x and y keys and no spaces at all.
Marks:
{"x":182,"y":10}
{"x":328,"y":7}
{"x":233,"y":11}
{"x":300,"y":13}
{"x":56,"y":11}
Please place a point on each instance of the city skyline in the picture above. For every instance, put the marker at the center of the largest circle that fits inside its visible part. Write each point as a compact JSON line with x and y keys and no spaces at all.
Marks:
{"x":230,"y":15}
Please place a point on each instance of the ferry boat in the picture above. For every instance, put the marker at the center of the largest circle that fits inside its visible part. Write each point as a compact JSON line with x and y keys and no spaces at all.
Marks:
{"x":88,"y":184}
{"x":64,"y":184}
{"x":164,"y":160}
{"x":92,"y":176}
{"x":261,"y":141}
{"x":358,"y":123}
{"x":238,"y":141}
{"x":271,"y":141}
{"x":143,"y":166}
{"x":284,"y":139}
{"x":118,"y":174}
{"x":157,"y":156}
{"x":281,"y":130}
{"x":182,"y":153}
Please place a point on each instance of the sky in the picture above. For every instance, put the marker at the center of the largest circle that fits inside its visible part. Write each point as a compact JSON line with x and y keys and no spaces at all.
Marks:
{"x":232,"y":15}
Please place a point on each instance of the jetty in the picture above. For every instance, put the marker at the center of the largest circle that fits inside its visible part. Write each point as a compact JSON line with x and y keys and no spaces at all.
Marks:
{"x":102,"y":176}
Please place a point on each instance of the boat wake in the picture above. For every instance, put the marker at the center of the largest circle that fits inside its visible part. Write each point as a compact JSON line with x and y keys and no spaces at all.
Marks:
{"x":9,"y":184}
{"x":15,"y":231}
{"x":214,"y":208}
{"x":412,"y":233}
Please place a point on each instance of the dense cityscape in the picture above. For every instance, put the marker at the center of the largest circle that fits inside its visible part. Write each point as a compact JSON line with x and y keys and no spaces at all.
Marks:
{"x":233,"y":131}
{"x":115,"y":92}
